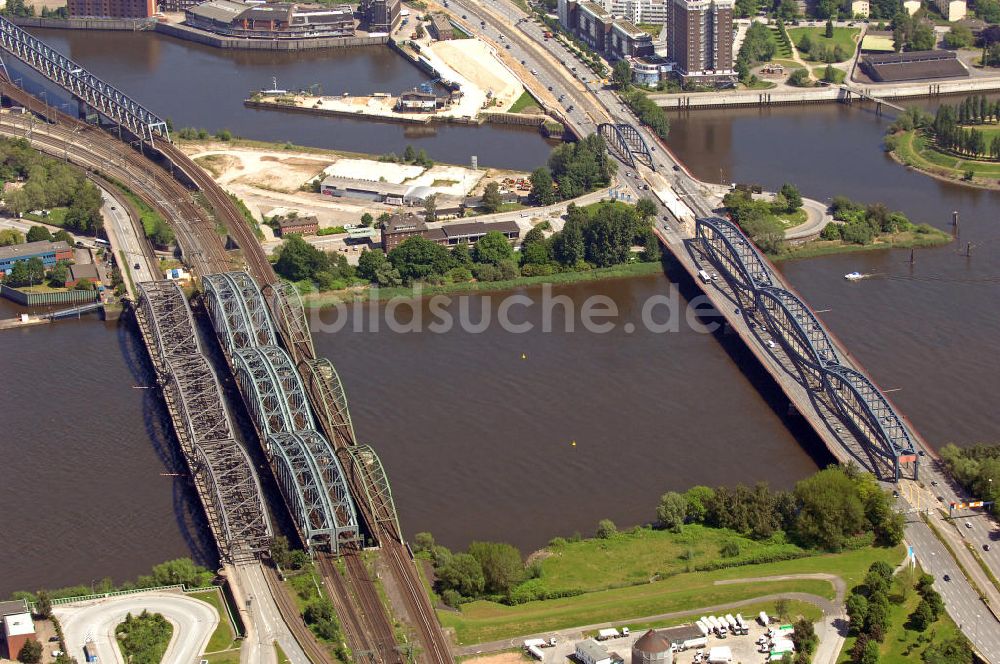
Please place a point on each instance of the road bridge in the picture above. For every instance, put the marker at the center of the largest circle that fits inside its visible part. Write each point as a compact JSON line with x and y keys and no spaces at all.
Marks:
{"x":222,"y":471}
{"x":626,"y":143}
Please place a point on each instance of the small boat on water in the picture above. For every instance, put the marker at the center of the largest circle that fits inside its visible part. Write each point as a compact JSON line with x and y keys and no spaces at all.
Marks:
{"x":854,"y":276}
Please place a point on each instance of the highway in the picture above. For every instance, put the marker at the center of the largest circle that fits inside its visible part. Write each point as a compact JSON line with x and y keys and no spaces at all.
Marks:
{"x":265,"y":624}
{"x":95,"y":620}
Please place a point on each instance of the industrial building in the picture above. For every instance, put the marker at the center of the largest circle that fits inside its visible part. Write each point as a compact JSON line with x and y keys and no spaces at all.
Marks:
{"x":401,"y":227}
{"x":380,"y":16}
{"x":111,"y":8}
{"x":389,"y":193}
{"x":50,"y":253}
{"x":299,"y":224}
{"x":598,"y":28}
{"x":16,"y":627}
{"x":700,"y":41}
{"x":911,"y":66}
{"x":279,"y":20}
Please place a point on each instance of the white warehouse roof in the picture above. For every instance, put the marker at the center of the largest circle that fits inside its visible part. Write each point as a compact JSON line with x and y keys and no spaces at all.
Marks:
{"x":18,"y":624}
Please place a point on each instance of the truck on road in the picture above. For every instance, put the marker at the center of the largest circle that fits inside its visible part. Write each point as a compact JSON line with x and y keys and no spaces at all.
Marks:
{"x":609,"y":633}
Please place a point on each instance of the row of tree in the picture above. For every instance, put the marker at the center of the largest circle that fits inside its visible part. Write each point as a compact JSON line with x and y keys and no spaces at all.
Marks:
{"x":297,"y":260}
{"x":830,"y":510}
{"x":951,"y":131}
{"x":758,"y":46}
{"x":485,"y":569}
{"x":863,"y":223}
{"x":977,"y":469}
{"x":47,"y":183}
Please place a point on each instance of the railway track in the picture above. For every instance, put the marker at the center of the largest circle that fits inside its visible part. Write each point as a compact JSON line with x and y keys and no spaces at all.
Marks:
{"x":316,"y":653}
{"x":374,"y":617}
{"x":436,"y":647}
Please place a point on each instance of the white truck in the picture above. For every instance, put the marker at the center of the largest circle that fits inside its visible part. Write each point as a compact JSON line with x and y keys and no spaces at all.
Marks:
{"x":782,"y":646}
{"x":536,"y":652}
{"x":540,"y":643}
{"x":744,"y":628}
{"x":731,"y":623}
{"x":764,"y":620}
{"x":694,"y":643}
{"x":704,"y":276}
{"x":719,"y":626}
{"x":609,"y":633}
{"x":702,"y":627}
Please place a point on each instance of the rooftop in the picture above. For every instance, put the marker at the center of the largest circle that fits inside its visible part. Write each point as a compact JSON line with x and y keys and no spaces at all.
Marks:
{"x":13,"y":606}
{"x":651,"y":642}
{"x":466,"y":228}
{"x":218,"y":10}
{"x":631,"y":30}
{"x":79,"y":271}
{"x":18,"y":624}
{"x":30,"y":249}
{"x":595,"y":9}
{"x":593,"y":650}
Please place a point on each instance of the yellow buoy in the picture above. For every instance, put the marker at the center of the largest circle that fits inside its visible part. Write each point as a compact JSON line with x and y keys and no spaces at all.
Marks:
{"x":523,"y":356}
{"x":573,"y":443}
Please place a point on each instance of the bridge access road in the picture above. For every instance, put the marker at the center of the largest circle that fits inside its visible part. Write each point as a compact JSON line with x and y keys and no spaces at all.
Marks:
{"x":95,"y":621}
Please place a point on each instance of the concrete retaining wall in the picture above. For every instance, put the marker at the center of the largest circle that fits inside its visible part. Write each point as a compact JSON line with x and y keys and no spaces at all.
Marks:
{"x":129,"y":24}
{"x":220,"y":41}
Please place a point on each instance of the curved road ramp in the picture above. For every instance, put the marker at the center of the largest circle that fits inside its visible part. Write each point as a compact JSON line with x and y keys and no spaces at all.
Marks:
{"x":95,"y":621}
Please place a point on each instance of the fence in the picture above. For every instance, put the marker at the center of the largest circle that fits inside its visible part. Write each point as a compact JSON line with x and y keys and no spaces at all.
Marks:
{"x":26,"y":299}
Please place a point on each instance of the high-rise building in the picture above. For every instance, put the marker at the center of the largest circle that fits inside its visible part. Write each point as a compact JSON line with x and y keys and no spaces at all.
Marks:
{"x":380,"y":15}
{"x":111,"y":8}
{"x":639,"y":11}
{"x":700,"y":40}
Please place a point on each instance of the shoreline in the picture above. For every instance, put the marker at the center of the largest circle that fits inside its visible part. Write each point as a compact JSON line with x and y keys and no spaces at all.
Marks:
{"x":814,"y":250}
{"x":902,"y":161}
{"x":380,"y":295}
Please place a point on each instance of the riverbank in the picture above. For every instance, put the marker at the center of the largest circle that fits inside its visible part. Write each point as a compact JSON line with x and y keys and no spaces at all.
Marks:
{"x":372,"y":294}
{"x":913,"y":150}
{"x":929,"y":237}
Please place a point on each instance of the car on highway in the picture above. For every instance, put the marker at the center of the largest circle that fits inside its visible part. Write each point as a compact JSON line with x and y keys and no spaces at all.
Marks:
{"x":137,"y":267}
{"x":508,"y":47}
{"x":534,"y":73}
{"x":464,"y":17}
{"x":986,"y":547}
{"x":946,"y":577}
{"x":968,"y":524}
{"x":550,"y":88}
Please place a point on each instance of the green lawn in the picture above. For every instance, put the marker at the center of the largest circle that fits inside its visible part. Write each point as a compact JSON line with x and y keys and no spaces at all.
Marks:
{"x":842,"y":36}
{"x":525,"y":104}
{"x":482,"y":621}
{"x":838,"y":74}
{"x":916,"y":150}
{"x":901,"y":644}
{"x":224,"y":636}
{"x":653,"y":29}
{"x":784,"y":51}
{"x":55,"y":217}
{"x":633,"y":558}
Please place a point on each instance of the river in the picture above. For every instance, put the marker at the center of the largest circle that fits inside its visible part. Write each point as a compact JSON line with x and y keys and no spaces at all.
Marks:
{"x":478,"y":442}
{"x":202,"y":86}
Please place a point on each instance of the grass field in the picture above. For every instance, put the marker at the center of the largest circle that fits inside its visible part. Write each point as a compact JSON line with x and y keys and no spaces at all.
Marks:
{"x":839,"y":74}
{"x":633,"y":558}
{"x":55,"y":217}
{"x":525,"y":104}
{"x":784,"y":51}
{"x":842,"y":36}
{"x":914,"y":149}
{"x":906,"y":240}
{"x":483,"y":621}
{"x":901,"y":645}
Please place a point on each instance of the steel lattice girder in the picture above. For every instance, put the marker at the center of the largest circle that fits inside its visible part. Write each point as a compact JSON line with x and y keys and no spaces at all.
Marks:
{"x":105,"y":98}
{"x":272,"y":389}
{"x":636,"y":144}
{"x":237,"y":311}
{"x":166,"y":310}
{"x":236,"y":494}
{"x":616,"y":141}
{"x":301,"y":485}
{"x":290,"y":317}
{"x":867,"y":407}
{"x":728,"y":248}
{"x":321,"y":489}
{"x":362,"y":460}
{"x":325,"y":384}
{"x":788,"y":315}
{"x":200,"y":396}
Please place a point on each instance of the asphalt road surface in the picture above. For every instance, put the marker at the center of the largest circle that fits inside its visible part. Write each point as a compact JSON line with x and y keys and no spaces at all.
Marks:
{"x":96,"y":620}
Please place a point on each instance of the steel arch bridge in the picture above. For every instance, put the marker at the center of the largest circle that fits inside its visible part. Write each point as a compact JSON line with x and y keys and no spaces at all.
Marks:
{"x":221,"y":470}
{"x":858,"y":401}
{"x":324,"y":384}
{"x":83,"y":85}
{"x":363,"y":463}
{"x":238,"y":312}
{"x":290,"y":318}
{"x":272,"y":389}
{"x":314,"y":484}
{"x":627,"y":144}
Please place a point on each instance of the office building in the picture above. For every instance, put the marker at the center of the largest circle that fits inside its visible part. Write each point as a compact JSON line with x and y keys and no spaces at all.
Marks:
{"x":700,"y":41}
{"x":380,"y":15}
{"x":271,"y":20}
{"x":50,"y":253}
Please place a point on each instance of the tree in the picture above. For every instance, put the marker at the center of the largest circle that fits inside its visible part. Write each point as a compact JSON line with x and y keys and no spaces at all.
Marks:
{"x":606,"y":529}
{"x":799,"y":78}
{"x":43,"y":604}
{"x":877,"y":619}
{"x":418,"y":258}
{"x":746,"y":8}
{"x":878,"y":579}
{"x":38,"y":233}
{"x":26,"y":273}
{"x":464,"y":574}
{"x":781,"y":607}
{"x":367,"y":219}
{"x":988,"y":10}
{"x":697,"y":498}
{"x":830,"y":510}
{"x":923,"y":38}
{"x":792,"y":196}
{"x":502,"y":565}
{"x":542,"y":192}
{"x":62,"y":236}
{"x":646,"y":208}
{"x":10,"y":236}
{"x":960,"y":36}
{"x":922,"y":616}
{"x":857,"y":611}
{"x":568,"y":246}
{"x":804,"y":636}
{"x":492,"y":201}
{"x":829,"y":29}
{"x":672,"y":511}
{"x":492,"y":248}
{"x":59,"y":275}
{"x":409,"y":154}
{"x":31,"y":652}
{"x":299,"y":260}
{"x":870,"y":654}
{"x":369,"y":262}
{"x":430,"y":208}
{"x":621,"y":74}
{"x":280,"y":552}
{"x":955,"y":650}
